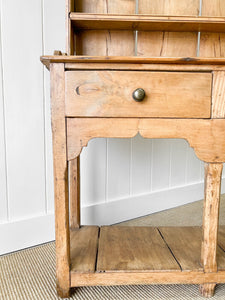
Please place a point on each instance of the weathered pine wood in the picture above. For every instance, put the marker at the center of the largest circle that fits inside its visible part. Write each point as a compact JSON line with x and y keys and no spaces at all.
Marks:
{"x":168,"y":94}
{"x":212,"y":44}
{"x":165,"y":43}
{"x":123,"y":63}
{"x":106,"y":7}
{"x":138,"y":277}
{"x":74,"y":192}
{"x":213,"y":8}
{"x":221,"y":237}
{"x":210,"y":223}
{"x":60,"y":179}
{"x":205,"y":136}
{"x":125,"y":249}
{"x":169,"y":8}
{"x":147,"y":23}
{"x":207,"y":290}
{"x":145,"y":67}
{"x":83,"y":244}
{"x":105,"y":42}
{"x":185,"y":244}
{"x":218,"y":95}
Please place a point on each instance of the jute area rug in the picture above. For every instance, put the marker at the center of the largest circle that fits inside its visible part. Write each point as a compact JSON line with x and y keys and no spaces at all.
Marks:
{"x":30,"y":274}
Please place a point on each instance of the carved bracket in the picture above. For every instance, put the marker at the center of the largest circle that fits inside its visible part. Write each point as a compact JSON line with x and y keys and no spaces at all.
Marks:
{"x":206,"y":136}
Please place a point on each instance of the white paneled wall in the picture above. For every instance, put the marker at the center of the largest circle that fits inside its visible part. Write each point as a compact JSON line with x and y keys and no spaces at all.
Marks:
{"x":120,"y":178}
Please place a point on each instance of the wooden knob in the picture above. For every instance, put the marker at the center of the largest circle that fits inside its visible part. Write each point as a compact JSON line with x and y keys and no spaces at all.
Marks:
{"x":138,"y":95}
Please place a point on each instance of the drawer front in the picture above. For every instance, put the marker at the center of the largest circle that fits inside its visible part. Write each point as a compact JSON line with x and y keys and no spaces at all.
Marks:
{"x":109,"y":94}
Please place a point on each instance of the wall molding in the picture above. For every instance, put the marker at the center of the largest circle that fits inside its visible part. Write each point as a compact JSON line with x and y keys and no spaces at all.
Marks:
{"x":17,"y":235}
{"x":142,"y":205}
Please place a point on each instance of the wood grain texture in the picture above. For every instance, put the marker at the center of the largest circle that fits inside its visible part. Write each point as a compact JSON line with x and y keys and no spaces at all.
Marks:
{"x":170,"y":8}
{"x":146,"y":22}
{"x":205,"y":136}
{"x":128,"y":63}
{"x":211,"y":215}
{"x":83,"y":245}
{"x":212,"y":44}
{"x":185,"y":244}
{"x":133,"y":248}
{"x":74,"y":192}
{"x":60,"y":180}
{"x":221,"y":237}
{"x":168,"y":44}
{"x":105,"y":42}
{"x":207,"y":290}
{"x":106,"y":7}
{"x":135,"y":278}
{"x":218,"y":95}
{"x":168,"y":94}
{"x":213,"y":8}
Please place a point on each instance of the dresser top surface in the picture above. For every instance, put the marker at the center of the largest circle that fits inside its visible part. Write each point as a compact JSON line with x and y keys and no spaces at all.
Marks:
{"x":195,"y":61}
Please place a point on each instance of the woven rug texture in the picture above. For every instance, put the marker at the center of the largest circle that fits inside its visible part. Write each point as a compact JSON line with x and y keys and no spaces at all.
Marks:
{"x":30,"y":274}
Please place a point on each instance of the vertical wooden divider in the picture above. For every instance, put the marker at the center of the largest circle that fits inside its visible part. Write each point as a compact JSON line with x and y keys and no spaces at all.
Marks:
{"x":210,"y":223}
{"x":74,"y":192}
{"x":61,"y":179}
{"x":69,"y":29}
{"x":212,"y":45}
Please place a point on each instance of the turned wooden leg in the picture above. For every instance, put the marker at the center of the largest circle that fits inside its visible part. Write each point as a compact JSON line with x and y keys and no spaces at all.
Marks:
{"x":213,"y":173}
{"x":74,"y":192}
{"x":62,"y":240}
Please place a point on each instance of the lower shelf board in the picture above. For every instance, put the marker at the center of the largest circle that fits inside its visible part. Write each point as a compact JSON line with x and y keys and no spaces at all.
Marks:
{"x":141,"y":255}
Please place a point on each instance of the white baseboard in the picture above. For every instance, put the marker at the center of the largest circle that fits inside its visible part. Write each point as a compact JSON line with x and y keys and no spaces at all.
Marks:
{"x":26,"y":233}
{"x":142,"y":205}
{"x":17,"y":235}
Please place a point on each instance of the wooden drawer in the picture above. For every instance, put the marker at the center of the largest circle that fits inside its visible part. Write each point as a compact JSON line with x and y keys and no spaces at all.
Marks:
{"x":109,"y":94}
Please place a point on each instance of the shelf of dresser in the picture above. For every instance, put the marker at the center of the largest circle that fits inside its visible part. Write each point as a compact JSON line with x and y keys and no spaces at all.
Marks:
{"x":140,"y":255}
{"x":147,"y":22}
{"x":111,"y":60}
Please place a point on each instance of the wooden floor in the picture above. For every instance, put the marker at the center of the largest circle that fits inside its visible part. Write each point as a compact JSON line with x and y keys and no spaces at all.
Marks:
{"x":154,"y":250}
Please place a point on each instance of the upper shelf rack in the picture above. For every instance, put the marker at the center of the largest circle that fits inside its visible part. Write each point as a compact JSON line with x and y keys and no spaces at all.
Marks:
{"x":147,"y":22}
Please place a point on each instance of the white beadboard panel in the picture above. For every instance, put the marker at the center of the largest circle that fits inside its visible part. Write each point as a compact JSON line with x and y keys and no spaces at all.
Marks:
{"x":142,"y":205}
{"x":160,"y":164}
{"x":23,"y":96}
{"x":193,"y":167}
{"x":53,"y":22}
{"x":26,"y":233}
{"x":178,"y":162}
{"x":140,"y":165}
{"x":118,"y":168}
{"x":54,"y":27}
{"x":93,"y":172}
{"x":3,"y":175}
{"x":202,"y":170}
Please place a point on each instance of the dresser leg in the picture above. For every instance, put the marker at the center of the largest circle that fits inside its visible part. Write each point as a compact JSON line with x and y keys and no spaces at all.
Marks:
{"x":62,"y":235}
{"x":213,"y":173}
{"x":207,"y":290}
{"x":74,"y":192}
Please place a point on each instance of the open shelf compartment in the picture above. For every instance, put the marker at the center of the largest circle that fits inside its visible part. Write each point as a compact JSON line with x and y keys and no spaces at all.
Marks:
{"x":158,"y":251}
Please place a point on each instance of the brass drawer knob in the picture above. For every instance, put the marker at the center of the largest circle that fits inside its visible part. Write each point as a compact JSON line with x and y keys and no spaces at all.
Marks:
{"x":138,"y":95}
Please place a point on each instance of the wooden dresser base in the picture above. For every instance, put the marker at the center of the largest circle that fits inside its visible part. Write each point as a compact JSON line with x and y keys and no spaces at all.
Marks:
{"x":131,"y":255}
